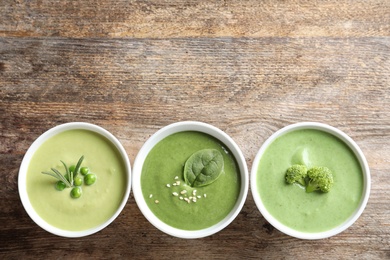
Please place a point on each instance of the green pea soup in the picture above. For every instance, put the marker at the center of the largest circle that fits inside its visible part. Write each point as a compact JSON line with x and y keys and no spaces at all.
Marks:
{"x":98,"y":202}
{"x":177,"y":204}
{"x":289,"y":203}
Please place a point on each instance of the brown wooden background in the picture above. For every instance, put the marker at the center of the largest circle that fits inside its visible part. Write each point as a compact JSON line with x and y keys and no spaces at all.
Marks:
{"x":247,"y":67}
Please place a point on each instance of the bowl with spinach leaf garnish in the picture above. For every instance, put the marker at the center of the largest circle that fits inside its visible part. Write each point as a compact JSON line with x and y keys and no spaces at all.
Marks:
{"x":190,"y":179}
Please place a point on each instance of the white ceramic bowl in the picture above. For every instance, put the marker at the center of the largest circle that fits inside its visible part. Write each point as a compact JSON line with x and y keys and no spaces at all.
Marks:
{"x":355,"y":149}
{"x":180,"y":127}
{"x":26,"y":161}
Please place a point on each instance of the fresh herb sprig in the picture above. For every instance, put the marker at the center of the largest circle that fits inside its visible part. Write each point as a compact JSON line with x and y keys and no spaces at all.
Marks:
{"x":71,"y":180}
{"x":71,"y":174}
{"x":59,"y":177}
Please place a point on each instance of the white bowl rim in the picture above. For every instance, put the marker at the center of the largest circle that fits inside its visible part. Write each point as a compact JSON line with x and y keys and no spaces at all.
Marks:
{"x":355,"y":149}
{"x":181,"y":127}
{"x":23,"y":173}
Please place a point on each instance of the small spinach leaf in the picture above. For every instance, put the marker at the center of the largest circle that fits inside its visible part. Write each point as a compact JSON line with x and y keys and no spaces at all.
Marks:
{"x":203,"y":167}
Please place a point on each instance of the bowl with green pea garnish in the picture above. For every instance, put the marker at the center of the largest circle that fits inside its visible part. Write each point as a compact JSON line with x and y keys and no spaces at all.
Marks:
{"x":190,"y":179}
{"x":310,"y":180}
{"x":74,"y":179}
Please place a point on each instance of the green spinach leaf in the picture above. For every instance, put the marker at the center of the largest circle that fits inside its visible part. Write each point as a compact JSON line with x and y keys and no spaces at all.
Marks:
{"x":203,"y":167}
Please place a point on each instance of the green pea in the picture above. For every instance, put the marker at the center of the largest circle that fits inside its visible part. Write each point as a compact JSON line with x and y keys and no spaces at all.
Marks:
{"x":76,"y":192}
{"x":72,"y":168}
{"x":60,"y":185}
{"x":78,"y":181}
{"x":84,"y":170}
{"x":89,"y":179}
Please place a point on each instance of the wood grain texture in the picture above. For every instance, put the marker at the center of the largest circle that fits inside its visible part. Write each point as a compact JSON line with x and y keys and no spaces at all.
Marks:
{"x":247,"y":87}
{"x":193,"y":18}
{"x":246,"y":67}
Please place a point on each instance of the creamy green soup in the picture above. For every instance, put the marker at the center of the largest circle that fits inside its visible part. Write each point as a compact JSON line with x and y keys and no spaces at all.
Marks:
{"x":289,"y":203}
{"x":178,"y":204}
{"x":98,"y":202}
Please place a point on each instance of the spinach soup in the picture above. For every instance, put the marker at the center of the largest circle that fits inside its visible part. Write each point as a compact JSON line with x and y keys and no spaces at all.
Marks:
{"x":190,"y":180}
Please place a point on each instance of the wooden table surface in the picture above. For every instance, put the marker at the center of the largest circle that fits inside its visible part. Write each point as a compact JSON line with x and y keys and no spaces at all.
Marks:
{"x":247,"y":67}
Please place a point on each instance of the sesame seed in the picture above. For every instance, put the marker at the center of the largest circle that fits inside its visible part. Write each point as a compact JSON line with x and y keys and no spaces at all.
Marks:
{"x":150,"y":196}
{"x":186,"y":199}
{"x":156,"y":201}
{"x":175,"y":194}
{"x":183,"y":192}
{"x":194,"y":199}
{"x":181,"y":198}
{"x":174,"y":184}
{"x":168,"y":185}
{"x":177,"y":177}
{"x":178,"y":182}
{"x":204,"y":195}
{"x":199,"y":196}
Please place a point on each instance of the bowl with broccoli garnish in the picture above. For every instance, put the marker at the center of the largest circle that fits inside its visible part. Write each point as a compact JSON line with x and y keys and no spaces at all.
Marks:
{"x":310,"y":180}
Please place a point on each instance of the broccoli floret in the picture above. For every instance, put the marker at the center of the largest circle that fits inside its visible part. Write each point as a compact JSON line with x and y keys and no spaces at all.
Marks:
{"x":319,"y":178}
{"x":296,"y":173}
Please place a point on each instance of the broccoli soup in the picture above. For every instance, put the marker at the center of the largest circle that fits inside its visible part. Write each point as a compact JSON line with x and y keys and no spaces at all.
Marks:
{"x":302,"y":208}
{"x":92,"y":185}
{"x":190,"y":180}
